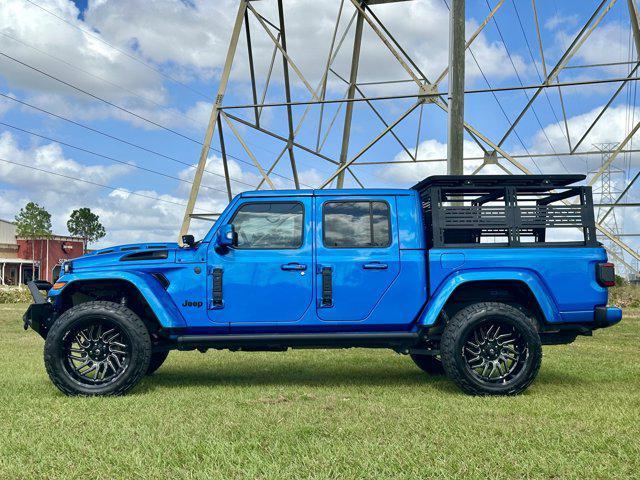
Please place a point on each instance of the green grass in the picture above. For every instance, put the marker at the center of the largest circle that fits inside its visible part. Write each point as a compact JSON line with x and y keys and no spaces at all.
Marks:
{"x":324,"y":414}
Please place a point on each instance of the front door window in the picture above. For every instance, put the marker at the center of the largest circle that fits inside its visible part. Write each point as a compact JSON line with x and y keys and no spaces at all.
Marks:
{"x":269,"y":225}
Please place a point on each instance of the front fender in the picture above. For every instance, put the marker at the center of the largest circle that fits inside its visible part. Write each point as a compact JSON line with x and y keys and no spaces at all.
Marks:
{"x":157,"y":297}
{"x":439,"y":299}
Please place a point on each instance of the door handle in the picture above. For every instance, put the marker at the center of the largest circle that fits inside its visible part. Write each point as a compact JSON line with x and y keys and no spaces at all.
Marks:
{"x":375,"y":266}
{"x":298,"y":267}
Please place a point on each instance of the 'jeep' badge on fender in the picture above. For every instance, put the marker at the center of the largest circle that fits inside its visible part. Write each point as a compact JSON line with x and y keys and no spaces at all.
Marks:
{"x":187,"y":303}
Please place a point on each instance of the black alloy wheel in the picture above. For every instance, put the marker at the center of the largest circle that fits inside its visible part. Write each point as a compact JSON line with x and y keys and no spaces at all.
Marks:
{"x":97,"y":351}
{"x":495,"y":352}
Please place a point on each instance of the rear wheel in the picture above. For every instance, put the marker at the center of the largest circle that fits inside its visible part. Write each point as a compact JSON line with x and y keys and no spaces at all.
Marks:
{"x":491,"y":349}
{"x":97,"y":348}
{"x":428,"y":363}
{"x":157,"y":359}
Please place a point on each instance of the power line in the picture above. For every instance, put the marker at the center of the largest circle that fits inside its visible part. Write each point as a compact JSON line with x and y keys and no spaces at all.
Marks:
{"x":107,"y":157}
{"x":121,"y":140}
{"x":493,"y":93}
{"x":535,"y":114}
{"x":97,"y":97}
{"x":76,"y":179}
{"x":109,"y":82}
{"x":144,"y":98}
{"x":124,"y":52}
{"x":535,"y":65}
{"x":186,"y":137}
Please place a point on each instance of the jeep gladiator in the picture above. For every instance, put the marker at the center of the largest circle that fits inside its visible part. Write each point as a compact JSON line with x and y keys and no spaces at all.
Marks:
{"x":467,"y":275}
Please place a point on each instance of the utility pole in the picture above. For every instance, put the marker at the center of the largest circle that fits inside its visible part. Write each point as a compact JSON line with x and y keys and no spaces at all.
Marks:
{"x":353,"y":79}
{"x":455,"y":151}
{"x":287,"y":89}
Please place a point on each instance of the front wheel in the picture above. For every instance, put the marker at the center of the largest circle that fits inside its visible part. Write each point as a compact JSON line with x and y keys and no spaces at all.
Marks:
{"x":97,"y":348}
{"x":491,"y":349}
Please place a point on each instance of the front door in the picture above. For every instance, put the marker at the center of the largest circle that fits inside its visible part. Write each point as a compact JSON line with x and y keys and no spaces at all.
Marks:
{"x":357,"y":255}
{"x":267,"y":277}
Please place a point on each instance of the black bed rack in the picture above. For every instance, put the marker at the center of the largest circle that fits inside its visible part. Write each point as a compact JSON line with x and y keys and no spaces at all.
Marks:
{"x":501,"y":210}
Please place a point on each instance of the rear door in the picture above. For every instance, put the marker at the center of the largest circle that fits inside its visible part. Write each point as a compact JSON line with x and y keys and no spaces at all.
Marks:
{"x":357,"y":255}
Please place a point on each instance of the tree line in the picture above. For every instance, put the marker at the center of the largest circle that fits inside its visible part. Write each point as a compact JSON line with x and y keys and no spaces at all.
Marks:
{"x":33,"y":221}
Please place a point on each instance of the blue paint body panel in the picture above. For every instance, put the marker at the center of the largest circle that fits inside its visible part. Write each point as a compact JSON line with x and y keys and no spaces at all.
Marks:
{"x":260,"y":295}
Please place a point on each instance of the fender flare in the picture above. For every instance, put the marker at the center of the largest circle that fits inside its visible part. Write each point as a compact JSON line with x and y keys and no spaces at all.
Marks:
{"x":157,"y":297}
{"x":446,"y":288}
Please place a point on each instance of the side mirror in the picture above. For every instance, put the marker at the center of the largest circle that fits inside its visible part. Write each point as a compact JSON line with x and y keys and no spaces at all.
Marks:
{"x":188,"y":240}
{"x":227,"y":236}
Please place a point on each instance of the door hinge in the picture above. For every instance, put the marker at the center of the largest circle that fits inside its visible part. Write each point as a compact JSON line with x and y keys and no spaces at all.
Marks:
{"x":326,"y":300}
{"x":217,"y":300}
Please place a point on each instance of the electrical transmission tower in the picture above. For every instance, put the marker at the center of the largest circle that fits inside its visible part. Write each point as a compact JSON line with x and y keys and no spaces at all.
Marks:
{"x":607,"y":191}
{"x":301,"y":105}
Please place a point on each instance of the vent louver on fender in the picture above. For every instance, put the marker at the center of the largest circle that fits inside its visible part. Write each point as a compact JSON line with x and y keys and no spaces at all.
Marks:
{"x":146,"y":255}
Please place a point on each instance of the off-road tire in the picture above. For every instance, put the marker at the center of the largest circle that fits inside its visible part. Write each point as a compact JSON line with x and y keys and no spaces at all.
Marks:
{"x":126,"y":320}
{"x":428,"y":363}
{"x":157,"y":359}
{"x":463,"y":322}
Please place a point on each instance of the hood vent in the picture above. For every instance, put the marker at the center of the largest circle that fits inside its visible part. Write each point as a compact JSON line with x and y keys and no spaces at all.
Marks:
{"x":146,"y":255}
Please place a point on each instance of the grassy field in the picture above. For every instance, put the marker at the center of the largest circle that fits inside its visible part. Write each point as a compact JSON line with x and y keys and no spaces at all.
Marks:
{"x":324,"y":414}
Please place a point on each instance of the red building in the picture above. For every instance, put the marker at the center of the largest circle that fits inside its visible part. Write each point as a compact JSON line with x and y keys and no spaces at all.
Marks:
{"x":19,"y":256}
{"x":50,"y":252}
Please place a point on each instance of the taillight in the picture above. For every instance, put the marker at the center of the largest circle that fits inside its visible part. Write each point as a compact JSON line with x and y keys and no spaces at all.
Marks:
{"x":606,"y":274}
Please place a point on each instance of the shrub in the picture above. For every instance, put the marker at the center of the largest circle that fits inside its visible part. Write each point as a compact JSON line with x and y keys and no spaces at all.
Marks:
{"x":625,"y":296}
{"x":15,"y":295}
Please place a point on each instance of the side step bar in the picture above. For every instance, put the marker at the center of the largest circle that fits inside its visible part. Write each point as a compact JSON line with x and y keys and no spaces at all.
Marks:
{"x":300,"y":340}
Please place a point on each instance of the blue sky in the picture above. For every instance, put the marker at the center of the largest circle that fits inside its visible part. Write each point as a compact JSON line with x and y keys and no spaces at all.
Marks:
{"x":186,"y":41}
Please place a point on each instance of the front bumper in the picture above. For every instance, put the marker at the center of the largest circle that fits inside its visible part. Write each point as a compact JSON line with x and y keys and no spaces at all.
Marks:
{"x":607,"y":316}
{"x":40,"y":313}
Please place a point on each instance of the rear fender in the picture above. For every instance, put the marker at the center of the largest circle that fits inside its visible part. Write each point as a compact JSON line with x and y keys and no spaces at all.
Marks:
{"x":149,"y":288}
{"x":444,"y":291}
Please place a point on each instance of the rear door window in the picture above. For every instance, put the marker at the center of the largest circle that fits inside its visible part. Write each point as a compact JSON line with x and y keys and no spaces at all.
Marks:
{"x":356,"y":224}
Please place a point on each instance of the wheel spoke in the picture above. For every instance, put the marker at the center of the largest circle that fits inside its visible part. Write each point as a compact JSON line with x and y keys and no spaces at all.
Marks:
{"x":82,"y":339}
{"x":97,"y":352}
{"x":494,"y":351}
{"x":474,"y":350}
{"x":488,"y":334}
{"x":116,"y":359}
{"x":105,"y":335}
{"x":495,"y":334}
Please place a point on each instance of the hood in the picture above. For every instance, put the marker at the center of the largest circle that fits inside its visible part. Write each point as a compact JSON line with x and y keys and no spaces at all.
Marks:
{"x":123,"y":255}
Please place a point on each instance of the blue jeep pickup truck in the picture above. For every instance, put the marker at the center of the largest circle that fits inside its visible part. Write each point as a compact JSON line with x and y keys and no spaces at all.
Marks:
{"x":467,"y":275}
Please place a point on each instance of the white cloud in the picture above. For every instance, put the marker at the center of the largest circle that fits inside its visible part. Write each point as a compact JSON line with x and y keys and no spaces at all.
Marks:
{"x":407,"y":174}
{"x":49,"y":157}
{"x":180,"y":33}
{"x":561,"y":20}
{"x":614,"y":125}
{"x":178,"y":37}
{"x":120,"y":211}
{"x":608,"y":43}
{"x":31,"y":26}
